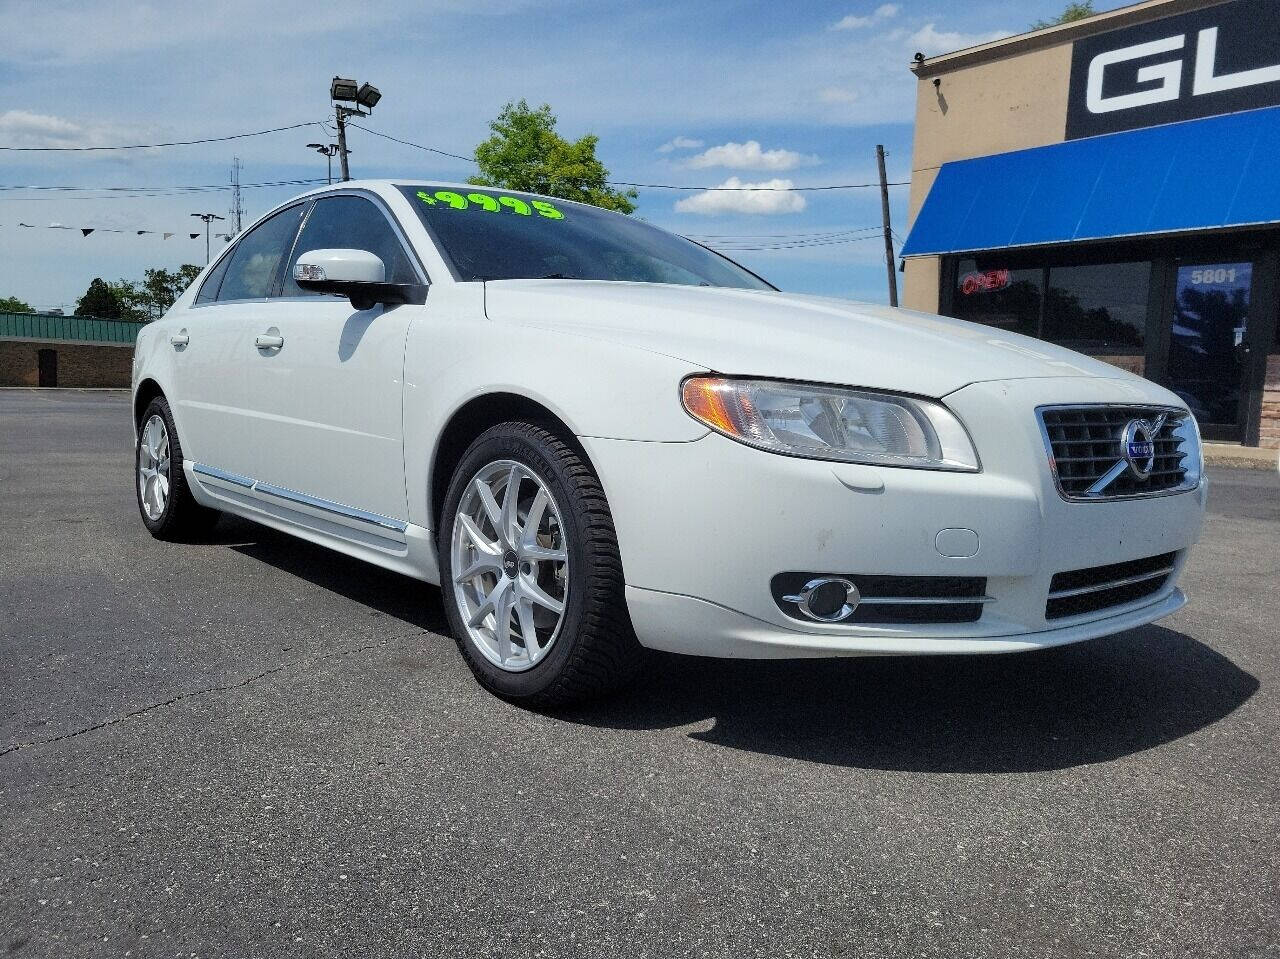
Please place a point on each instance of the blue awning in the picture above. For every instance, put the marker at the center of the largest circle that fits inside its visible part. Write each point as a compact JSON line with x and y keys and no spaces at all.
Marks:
{"x":1201,"y":174}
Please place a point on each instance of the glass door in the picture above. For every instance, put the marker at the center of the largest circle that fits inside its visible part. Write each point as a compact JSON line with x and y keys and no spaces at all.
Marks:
{"x":1209,"y":345}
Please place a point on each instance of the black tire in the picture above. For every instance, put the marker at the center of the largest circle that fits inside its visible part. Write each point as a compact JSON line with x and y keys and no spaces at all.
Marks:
{"x":183,"y":519}
{"x":596,"y":650}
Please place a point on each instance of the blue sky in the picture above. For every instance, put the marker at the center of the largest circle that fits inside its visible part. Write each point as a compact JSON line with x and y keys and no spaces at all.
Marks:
{"x":814,"y":86}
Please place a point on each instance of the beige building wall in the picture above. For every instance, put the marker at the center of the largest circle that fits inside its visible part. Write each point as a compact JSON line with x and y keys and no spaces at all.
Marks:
{"x":1002,"y":96}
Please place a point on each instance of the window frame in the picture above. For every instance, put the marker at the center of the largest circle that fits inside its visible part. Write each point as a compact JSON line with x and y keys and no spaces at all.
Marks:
{"x":411,"y":254}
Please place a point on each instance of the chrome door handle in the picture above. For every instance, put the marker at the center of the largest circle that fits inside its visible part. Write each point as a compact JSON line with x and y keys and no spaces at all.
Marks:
{"x":179,"y":339}
{"x":269,"y":341}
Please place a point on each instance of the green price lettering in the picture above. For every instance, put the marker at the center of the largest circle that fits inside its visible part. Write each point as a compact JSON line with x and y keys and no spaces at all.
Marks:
{"x":490,"y":204}
{"x":484,"y":200}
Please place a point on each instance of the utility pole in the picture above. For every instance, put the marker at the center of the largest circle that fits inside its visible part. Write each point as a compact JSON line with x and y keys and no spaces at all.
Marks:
{"x":888,"y":232}
{"x":342,"y":111}
{"x":237,"y":208}
{"x":207,"y":217}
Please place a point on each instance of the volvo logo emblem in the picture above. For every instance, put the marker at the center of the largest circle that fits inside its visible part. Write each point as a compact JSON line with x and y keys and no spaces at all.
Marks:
{"x":1138,"y":446}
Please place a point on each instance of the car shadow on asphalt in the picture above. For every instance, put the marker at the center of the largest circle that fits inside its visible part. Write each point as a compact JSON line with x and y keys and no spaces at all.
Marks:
{"x":1023,"y":712}
{"x":1086,"y":703}
{"x":386,"y":592}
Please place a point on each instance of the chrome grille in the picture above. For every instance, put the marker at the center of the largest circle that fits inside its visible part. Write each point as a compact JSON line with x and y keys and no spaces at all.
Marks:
{"x":1087,"y":451}
{"x":1081,"y":591}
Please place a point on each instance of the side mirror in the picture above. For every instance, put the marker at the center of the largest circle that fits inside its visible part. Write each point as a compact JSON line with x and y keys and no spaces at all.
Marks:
{"x":356,"y":274}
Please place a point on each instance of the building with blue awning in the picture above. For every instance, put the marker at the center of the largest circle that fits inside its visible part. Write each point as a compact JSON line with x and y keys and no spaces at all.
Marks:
{"x":1111,"y":185}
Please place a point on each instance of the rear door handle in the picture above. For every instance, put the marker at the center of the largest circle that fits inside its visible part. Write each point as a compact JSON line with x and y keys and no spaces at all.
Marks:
{"x":179,"y":339}
{"x":269,"y":341}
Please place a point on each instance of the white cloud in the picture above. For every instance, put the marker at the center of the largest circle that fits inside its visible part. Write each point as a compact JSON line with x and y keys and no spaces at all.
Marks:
{"x":22,"y":128}
{"x":765,"y":199}
{"x":931,"y":41}
{"x":680,"y":143}
{"x":749,"y":156}
{"x":837,"y":95}
{"x":886,"y":11}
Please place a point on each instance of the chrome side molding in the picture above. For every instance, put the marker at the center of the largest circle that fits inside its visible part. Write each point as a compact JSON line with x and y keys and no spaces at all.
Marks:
{"x":293,"y":496}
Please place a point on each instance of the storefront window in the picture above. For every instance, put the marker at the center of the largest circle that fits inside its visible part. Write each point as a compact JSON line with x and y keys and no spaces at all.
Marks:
{"x":996,"y":296}
{"x":1099,"y":309}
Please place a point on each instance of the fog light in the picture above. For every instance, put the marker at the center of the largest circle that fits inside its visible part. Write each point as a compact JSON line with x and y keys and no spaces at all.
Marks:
{"x":829,"y":599}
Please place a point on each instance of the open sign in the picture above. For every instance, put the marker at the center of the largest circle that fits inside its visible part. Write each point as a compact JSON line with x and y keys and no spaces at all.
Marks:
{"x":984,"y":281}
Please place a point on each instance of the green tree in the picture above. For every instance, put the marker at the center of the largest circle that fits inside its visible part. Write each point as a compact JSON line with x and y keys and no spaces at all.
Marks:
{"x":99,"y":300}
{"x":11,"y":304}
{"x":1073,"y":12}
{"x":132,"y":299}
{"x":525,"y":153}
{"x":160,"y":288}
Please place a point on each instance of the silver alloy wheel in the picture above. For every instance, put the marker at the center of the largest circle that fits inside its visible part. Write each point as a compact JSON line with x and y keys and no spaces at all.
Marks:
{"x":153,"y":467}
{"x":510,"y":565}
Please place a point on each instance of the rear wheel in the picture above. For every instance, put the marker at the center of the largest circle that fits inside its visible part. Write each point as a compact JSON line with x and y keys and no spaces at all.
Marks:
{"x":531,"y":573}
{"x":168,"y":509}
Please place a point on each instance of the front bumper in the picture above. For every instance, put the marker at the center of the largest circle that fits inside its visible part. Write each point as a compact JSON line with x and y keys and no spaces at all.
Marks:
{"x":704,"y":526}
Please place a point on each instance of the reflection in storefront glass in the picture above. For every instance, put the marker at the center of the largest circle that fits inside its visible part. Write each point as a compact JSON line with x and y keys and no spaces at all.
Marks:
{"x":1004,"y":298}
{"x":1208,"y":345}
{"x":1099,"y":309}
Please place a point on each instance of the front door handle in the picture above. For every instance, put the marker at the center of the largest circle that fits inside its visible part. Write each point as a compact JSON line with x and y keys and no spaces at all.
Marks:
{"x":179,"y":339}
{"x":270,"y":340}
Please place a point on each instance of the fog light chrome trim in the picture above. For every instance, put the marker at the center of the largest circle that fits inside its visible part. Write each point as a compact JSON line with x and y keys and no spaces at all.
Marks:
{"x":805,"y":596}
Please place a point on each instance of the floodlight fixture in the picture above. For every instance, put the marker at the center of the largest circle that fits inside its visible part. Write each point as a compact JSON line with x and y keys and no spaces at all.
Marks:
{"x":343,"y":89}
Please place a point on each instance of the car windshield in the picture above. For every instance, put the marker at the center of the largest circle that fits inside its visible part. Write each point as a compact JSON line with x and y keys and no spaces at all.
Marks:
{"x":491,"y":234}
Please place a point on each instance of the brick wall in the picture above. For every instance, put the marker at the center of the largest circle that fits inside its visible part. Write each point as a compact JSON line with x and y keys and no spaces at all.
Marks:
{"x":1269,"y":433}
{"x":79,"y":364}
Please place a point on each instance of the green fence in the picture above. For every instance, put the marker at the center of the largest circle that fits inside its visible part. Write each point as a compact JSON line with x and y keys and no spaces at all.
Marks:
{"x":84,"y":329}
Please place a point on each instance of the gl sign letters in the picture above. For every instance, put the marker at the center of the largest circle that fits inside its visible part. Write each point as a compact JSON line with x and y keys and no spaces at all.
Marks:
{"x":1221,"y":59}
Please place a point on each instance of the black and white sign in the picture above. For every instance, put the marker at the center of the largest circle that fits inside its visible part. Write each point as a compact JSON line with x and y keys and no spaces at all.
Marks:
{"x":1221,"y":59}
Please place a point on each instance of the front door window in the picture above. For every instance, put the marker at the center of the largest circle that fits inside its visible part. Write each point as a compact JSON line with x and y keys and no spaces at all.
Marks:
{"x":1209,"y":346}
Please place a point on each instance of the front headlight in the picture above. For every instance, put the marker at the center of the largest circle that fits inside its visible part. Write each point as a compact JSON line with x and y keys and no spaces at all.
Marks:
{"x":829,"y":423}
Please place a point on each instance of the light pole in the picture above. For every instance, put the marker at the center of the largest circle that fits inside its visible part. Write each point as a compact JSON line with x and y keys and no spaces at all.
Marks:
{"x":343,"y":91}
{"x":207,"y":217}
{"x":329,"y":151}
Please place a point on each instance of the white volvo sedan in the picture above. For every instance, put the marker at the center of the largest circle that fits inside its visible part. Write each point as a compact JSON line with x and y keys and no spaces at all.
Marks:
{"x":597,"y":437}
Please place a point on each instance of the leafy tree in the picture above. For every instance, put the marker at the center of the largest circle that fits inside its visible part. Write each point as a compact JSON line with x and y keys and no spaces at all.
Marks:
{"x":160,"y":288}
{"x":1073,"y":12}
{"x":139,"y":302}
{"x":11,"y":304}
{"x":132,"y":300}
{"x":99,"y":300}
{"x":525,"y":153}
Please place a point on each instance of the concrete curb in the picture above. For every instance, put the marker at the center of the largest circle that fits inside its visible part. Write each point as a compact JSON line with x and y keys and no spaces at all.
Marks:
{"x":1241,"y":457}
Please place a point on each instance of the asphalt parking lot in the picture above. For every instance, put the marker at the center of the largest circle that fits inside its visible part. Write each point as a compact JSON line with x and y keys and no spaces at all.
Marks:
{"x":253,"y":747}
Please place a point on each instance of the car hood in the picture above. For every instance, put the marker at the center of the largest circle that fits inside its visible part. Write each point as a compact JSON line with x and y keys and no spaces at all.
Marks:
{"x":787,"y":336}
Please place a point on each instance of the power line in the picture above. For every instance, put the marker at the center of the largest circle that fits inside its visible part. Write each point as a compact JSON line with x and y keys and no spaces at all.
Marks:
{"x":152,"y":146}
{"x":655,"y":186}
{"x":756,"y":189}
{"x":798,"y":245}
{"x":140,"y":192}
{"x":416,"y":146}
{"x":778,"y":236}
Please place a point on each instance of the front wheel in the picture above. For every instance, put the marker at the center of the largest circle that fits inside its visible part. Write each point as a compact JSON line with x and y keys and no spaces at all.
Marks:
{"x":531,"y":572}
